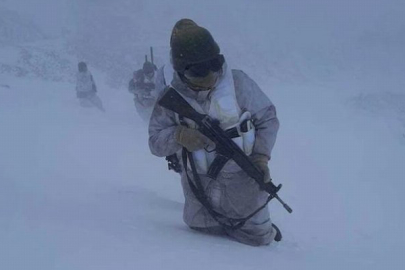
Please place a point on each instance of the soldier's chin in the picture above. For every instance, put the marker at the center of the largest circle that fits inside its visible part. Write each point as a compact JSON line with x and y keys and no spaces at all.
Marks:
{"x":201,"y":86}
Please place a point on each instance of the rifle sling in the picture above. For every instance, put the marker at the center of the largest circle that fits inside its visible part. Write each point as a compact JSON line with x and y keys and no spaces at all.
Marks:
{"x":199,"y":193}
{"x":216,"y":166}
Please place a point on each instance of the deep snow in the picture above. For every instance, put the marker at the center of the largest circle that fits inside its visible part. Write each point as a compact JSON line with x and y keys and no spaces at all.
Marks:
{"x":79,"y":188}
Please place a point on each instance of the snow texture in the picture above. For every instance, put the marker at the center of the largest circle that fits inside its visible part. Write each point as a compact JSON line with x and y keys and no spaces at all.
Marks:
{"x":79,"y":188}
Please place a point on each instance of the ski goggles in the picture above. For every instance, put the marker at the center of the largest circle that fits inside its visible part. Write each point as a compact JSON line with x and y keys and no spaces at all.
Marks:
{"x":203,"y":69}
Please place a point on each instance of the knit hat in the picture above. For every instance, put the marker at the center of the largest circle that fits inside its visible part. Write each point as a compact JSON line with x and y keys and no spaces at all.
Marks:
{"x":191,"y":44}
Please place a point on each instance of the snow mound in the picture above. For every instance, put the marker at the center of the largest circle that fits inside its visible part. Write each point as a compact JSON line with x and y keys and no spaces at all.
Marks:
{"x":41,"y":60}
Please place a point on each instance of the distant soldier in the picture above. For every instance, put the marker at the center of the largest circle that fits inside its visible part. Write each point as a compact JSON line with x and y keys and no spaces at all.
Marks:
{"x":86,"y":89}
{"x":143,"y":86}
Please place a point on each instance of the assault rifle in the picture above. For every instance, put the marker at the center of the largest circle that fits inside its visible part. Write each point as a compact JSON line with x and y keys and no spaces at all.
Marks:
{"x":224,"y":146}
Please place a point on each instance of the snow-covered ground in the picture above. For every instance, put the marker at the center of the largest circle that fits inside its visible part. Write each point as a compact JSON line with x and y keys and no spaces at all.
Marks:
{"x":79,"y":188}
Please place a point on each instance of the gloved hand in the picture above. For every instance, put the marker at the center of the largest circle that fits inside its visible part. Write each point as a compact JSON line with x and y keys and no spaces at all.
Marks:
{"x":191,"y":138}
{"x":261,"y":162}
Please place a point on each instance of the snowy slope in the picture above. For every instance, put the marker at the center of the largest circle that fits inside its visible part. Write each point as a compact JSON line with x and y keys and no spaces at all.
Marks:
{"x":79,"y":188}
{"x":81,"y":191}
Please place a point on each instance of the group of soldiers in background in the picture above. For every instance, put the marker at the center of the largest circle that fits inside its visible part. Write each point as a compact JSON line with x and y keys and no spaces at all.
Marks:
{"x":142,"y":86}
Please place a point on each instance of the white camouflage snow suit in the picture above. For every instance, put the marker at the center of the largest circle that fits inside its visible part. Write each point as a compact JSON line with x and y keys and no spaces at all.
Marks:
{"x":86,"y":90}
{"x":145,"y":94}
{"x":233,"y":194}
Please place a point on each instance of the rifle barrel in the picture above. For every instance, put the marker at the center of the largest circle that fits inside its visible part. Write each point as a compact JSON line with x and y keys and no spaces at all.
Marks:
{"x":289,"y":210}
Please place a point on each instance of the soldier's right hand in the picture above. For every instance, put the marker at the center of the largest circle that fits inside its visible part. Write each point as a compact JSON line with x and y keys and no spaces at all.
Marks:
{"x":261,"y":162}
{"x":191,"y":139}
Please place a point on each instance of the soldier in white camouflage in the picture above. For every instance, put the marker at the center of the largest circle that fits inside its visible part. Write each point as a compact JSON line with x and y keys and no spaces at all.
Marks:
{"x":201,"y":76}
{"x":143,"y":87}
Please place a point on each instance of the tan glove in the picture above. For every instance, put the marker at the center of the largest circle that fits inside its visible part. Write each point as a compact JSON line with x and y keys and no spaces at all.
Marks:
{"x":261,"y":162}
{"x":191,"y":139}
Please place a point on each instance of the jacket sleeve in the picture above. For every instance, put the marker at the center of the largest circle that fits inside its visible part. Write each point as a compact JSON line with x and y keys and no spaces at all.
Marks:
{"x":162,"y":126}
{"x":267,"y":125}
{"x":251,"y":98}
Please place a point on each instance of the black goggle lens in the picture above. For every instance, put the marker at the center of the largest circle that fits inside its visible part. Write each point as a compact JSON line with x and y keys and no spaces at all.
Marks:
{"x":202,"y":69}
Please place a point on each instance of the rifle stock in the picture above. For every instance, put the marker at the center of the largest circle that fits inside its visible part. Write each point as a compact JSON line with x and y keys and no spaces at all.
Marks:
{"x":173,"y":101}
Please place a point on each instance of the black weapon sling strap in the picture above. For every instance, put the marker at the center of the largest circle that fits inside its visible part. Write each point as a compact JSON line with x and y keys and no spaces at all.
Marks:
{"x":199,"y":193}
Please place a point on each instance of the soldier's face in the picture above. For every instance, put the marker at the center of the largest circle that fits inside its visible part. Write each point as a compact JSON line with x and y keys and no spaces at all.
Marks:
{"x":203,"y":76}
{"x":203,"y":83}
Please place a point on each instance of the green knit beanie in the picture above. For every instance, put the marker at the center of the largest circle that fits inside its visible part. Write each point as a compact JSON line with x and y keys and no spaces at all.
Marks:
{"x":191,"y":44}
